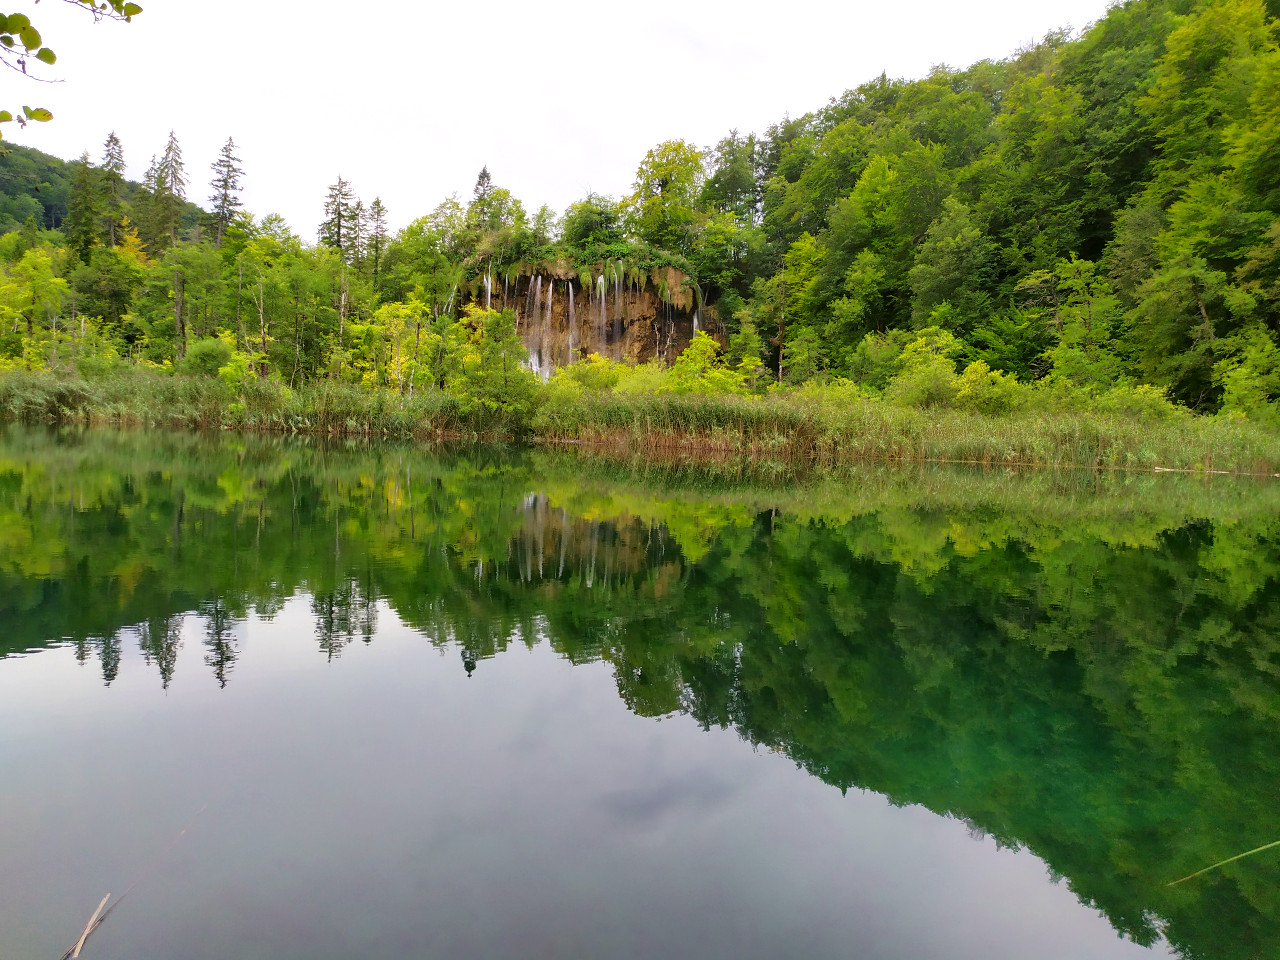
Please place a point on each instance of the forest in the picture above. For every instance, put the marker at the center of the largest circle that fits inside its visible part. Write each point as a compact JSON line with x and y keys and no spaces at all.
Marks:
{"x":1088,"y":228}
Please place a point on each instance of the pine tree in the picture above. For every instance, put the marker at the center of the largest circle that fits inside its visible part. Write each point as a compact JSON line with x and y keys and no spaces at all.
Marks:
{"x":84,"y":208}
{"x":359,"y":233}
{"x":377,"y":242}
{"x":484,"y":187}
{"x":112,"y":172}
{"x":339,"y":215}
{"x":172,"y":184}
{"x":481,"y":198}
{"x":225,"y":201}
{"x":148,"y":208}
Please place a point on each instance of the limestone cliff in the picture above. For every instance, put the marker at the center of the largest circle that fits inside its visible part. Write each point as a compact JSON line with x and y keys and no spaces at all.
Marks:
{"x":619,"y":314}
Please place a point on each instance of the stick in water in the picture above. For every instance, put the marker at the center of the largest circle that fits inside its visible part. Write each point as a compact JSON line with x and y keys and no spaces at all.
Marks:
{"x":89,"y":926}
{"x":1223,"y":863}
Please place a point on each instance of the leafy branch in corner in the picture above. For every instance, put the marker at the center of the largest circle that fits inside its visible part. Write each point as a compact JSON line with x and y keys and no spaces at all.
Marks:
{"x":21,"y":42}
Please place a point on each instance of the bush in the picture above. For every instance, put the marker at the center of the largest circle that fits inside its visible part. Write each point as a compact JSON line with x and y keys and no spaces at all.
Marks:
{"x":205,"y":358}
{"x":929,"y":382}
{"x":593,"y":373}
{"x":1142,"y":401}
{"x":645,"y":380}
{"x":988,"y":391}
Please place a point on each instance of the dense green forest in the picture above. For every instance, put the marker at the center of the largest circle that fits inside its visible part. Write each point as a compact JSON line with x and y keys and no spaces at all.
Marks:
{"x":1084,"y":664}
{"x":1089,"y":224}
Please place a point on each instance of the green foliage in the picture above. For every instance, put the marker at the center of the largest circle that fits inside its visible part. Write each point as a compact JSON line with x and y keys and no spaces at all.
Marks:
{"x":700,"y":369}
{"x":1250,"y":378}
{"x":494,"y":383}
{"x":983,"y":390}
{"x":205,"y":358}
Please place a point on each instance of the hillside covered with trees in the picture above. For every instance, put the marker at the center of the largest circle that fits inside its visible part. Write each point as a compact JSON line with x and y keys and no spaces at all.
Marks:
{"x":1091,"y":223}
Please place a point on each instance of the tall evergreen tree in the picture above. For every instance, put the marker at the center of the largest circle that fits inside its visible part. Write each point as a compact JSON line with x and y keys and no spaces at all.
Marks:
{"x":112,"y":173}
{"x":147,"y":207}
{"x":480,"y":213}
{"x":225,"y":201}
{"x":377,"y":237}
{"x":339,"y":218}
{"x":359,"y":233}
{"x":172,"y":183}
{"x":84,"y":208}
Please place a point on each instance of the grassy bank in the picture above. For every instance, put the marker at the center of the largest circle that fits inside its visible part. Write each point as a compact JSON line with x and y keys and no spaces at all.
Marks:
{"x":144,"y":398}
{"x":812,"y":428}
{"x":784,"y":431}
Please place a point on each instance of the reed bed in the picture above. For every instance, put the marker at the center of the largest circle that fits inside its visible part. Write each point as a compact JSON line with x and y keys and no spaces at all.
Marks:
{"x":142,"y":398}
{"x":779,"y":434}
{"x":808,"y":429}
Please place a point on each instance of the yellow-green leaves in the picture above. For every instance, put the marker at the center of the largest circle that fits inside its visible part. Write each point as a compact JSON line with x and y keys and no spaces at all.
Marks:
{"x":39,"y":114}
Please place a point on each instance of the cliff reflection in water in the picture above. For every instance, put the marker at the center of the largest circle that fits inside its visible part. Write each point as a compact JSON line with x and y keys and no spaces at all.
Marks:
{"x":1086,"y":667}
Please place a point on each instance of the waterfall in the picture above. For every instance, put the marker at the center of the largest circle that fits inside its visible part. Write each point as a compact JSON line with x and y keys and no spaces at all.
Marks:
{"x":571,"y":320}
{"x":601,"y":285}
{"x":617,"y":307}
{"x":546,"y":323}
{"x":533,"y":318}
{"x":697,"y":316}
{"x":488,"y":286}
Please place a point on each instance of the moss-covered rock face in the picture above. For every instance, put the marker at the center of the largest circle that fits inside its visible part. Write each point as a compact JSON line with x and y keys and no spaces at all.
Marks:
{"x":626,"y":313}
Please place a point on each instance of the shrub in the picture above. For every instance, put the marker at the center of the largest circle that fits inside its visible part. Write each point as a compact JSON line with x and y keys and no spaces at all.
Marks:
{"x":205,"y":358}
{"x":988,"y":391}
{"x":1140,"y":400}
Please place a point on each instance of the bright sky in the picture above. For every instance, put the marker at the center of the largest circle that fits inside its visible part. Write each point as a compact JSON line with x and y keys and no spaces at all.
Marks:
{"x":408,"y":100}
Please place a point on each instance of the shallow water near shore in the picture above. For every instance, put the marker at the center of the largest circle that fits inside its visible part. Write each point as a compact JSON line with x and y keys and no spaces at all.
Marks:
{"x":313,"y":701}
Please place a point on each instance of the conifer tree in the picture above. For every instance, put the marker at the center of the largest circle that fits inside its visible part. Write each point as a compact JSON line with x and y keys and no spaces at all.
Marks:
{"x":150,"y":215}
{"x":377,"y":233}
{"x":481,"y":198}
{"x":171,"y":179}
{"x":84,"y":208}
{"x":112,"y":173}
{"x":339,"y":215}
{"x":225,"y":201}
{"x":359,"y":233}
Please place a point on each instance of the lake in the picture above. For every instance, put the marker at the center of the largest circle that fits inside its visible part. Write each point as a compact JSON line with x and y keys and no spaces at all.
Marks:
{"x":298,"y":700}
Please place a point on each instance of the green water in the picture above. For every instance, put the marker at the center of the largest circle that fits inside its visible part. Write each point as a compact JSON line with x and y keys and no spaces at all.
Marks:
{"x":519,"y":704}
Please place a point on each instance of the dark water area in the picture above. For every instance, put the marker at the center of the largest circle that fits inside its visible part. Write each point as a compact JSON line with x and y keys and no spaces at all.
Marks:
{"x":298,"y":701}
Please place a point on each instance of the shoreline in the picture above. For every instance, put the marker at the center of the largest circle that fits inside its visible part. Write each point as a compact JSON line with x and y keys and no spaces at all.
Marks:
{"x":779,"y":434}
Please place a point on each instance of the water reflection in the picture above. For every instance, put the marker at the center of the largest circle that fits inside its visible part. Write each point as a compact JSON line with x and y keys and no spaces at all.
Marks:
{"x":1087,"y":668}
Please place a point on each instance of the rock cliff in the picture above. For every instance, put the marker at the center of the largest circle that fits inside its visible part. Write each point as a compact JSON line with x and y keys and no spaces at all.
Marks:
{"x":563,"y":314}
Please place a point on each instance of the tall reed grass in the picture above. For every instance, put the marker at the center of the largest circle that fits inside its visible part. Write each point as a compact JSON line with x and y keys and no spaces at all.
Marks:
{"x":808,"y":428}
{"x":333,"y":409}
{"x":778,"y":432}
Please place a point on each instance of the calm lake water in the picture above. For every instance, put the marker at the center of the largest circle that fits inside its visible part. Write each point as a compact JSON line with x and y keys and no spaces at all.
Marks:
{"x":406,"y":703}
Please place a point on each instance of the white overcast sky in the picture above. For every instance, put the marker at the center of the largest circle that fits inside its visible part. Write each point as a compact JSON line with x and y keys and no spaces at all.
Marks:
{"x":408,"y":100}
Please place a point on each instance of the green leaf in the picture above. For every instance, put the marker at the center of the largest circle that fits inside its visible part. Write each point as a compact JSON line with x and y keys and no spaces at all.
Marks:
{"x":30,"y":38}
{"x":132,"y":9}
{"x":7,"y":41}
{"x":4,"y":23}
{"x":39,"y":114}
{"x":5,"y":116}
{"x":18,"y":22}
{"x":45,"y":55}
